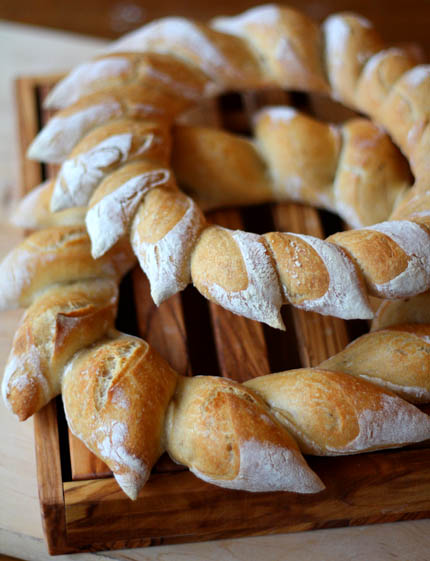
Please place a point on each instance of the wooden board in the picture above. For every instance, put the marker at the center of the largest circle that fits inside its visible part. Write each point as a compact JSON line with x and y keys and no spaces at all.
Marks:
{"x":83,"y":509}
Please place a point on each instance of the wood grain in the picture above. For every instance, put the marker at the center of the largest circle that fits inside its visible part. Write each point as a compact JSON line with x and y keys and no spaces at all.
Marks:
{"x":370,"y":487}
{"x":28,"y":126}
{"x":163,"y":326}
{"x":50,"y":479}
{"x":84,"y":464}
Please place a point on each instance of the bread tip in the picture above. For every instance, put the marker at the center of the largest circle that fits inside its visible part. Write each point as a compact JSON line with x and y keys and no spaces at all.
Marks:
{"x":43,"y":149}
{"x":276,"y":322}
{"x":131,"y":482}
{"x":33,"y":151}
{"x":51,"y":101}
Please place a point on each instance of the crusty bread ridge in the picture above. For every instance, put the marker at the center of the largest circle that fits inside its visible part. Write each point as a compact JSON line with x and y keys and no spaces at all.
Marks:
{"x":247,"y":51}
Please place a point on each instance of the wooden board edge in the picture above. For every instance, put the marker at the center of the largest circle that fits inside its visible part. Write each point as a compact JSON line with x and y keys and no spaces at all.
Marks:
{"x":49,"y":478}
{"x":83,"y":547}
{"x":26,"y":110}
{"x":95,"y":508}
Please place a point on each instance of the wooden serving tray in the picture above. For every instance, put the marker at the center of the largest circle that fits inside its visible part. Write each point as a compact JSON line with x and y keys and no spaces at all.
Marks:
{"x":82,"y":507}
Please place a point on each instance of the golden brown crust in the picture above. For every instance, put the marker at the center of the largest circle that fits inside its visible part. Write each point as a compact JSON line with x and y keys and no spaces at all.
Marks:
{"x":398,"y":358}
{"x":405,"y":112}
{"x":56,"y":255}
{"x":301,"y":270}
{"x":133,"y":101}
{"x":60,"y":322}
{"x":291,"y":52}
{"x":211,"y":419}
{"x":350,"y":41}
{"x":161,"y":210}
{"x":301,"y":153}
{"x":378,"y":256}
{"x":153,"y":69}
{"x":115,"y":396}
{"x":379,"y":75}
{"x":332,"y":413}
{"x":219,"y":168}
{"x":217,"y":259}
{"x":372,"y":175}
{"x":414,"y":310}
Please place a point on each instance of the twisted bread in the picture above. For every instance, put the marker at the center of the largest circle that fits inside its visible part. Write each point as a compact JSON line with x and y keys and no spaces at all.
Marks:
{"x":267,"y":46}
{"x":115,"y":388}
{"x":128,"y":406}
{"x":134,"y":404}
{"x":353,"y":170}
{"x":165,"y":251}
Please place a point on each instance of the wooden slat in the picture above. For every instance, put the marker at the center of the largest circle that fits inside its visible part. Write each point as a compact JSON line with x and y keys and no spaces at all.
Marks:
{"x":84,"y":464}
{"x":241,"y":348}
{"x":163,"y":326}
{"x":46,"y":114}
{"x":319,"y":337}
{"x":196,"y":510}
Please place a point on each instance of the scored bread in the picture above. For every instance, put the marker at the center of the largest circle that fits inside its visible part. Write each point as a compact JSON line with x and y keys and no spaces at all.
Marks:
{"x":331,"y":413}
{"x":115,"y":398}
{"x":247,"y":431}
{"x":128,"y":405}
{"x":226,"y":435}
{"x":250,"y":51}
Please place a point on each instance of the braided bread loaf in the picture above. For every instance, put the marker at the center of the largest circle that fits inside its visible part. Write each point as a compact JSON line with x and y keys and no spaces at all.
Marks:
{"x":268,"y":46}
{"x":128,"y":406}
{"x":354,"y":169}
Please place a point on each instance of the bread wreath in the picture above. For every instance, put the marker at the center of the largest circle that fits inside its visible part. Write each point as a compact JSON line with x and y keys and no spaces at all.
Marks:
{"x":120,"y":397}
{"x":181,"y":61}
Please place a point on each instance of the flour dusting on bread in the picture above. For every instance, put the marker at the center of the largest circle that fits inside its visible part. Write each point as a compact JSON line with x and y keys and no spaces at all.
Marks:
{"x":266,"y":467}
{"x":261,"y":300}
{"x":81,"y":79}
{"x":109,"y":219}
{"x":61,"y":134}
{"x":394,"y":423}
{"x":345,"y":296}
{"x":415,"y":242}
{"x":79,"y":176}
{"x":166,"y":262}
